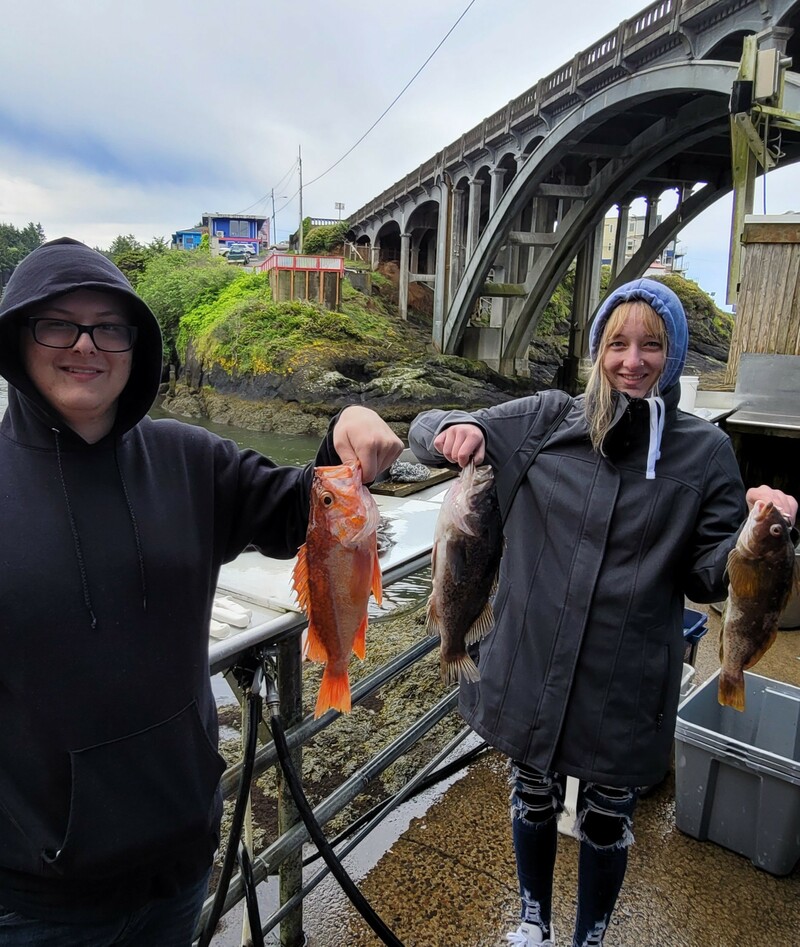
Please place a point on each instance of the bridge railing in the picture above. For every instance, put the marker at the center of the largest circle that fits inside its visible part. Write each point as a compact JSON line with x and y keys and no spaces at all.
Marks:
{"x":657,"y":20}
{"x":653,"y":21}
{"x":599,"y":56}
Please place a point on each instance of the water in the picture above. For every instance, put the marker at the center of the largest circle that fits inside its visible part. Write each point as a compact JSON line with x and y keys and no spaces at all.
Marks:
{"x":292,"y":449}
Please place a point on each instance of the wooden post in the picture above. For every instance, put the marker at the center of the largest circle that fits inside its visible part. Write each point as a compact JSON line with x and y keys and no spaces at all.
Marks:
{"x":768,"y":313}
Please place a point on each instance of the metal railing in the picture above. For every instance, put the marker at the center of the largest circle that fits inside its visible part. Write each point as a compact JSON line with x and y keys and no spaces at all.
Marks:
{"x":282,"y":636}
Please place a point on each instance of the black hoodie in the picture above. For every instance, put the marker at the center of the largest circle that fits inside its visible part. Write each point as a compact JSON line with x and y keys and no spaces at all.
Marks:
{"x":109,"y":558}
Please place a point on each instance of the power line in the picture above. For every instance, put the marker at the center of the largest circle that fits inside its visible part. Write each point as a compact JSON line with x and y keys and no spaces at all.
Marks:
{"x":396,"y":98}
{"x":276,"y":187}
{"x":383,"y":114}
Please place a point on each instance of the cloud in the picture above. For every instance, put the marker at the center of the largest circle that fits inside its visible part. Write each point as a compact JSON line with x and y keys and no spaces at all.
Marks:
{"x":137,"y":118}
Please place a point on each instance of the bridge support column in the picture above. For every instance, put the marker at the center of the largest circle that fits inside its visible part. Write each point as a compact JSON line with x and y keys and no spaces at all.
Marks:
{"x":405,"y":262}
{"x":474,"y":215}
{"x":651,"y":215}
{"x":621,"y":237}
{"x":458,"y":238}
{"x":444,"y":237}
{"x":498,"y":306}
{"x":585,"y":300}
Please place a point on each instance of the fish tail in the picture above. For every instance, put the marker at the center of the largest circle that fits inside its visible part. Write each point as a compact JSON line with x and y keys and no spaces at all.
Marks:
{"x":334,"y":692}
{"x":731,"y":689}
{"x":461,"y":665}
{"x":360,"y":640}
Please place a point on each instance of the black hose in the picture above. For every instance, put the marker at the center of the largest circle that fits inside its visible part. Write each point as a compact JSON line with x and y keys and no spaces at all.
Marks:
{"x":253,"y":916}
{"x":454,"y":766}
{"x":253,"y":717}
{"x":318,"y":837}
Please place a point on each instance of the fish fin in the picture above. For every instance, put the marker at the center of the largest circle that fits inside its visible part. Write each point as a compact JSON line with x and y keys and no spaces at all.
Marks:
{"x":742,"y":577}
{"x":461,"y":666}
{"x":377,"y":581}
{"x":481,"y":626}
{"x":300,"y":580}
{"x":360,"y":640}
{"x":334,"y":692}
{"x":432,"y":622}
{"x":731,"y":689}
{"x":314,"y":649}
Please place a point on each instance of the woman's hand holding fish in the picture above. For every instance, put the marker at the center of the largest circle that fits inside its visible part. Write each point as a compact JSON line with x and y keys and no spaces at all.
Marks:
{"x":362,"y":435}
{"x":781,"y":501}
{"x":461,"y":443}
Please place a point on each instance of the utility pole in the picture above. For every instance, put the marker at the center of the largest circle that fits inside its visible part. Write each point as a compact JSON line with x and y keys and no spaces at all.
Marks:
{"x":273,"y":235}
{"x":300,"y":167}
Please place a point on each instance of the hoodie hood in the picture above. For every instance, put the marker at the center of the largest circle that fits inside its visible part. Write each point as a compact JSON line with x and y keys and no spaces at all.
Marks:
{"x":59,"y":267}
{"x":668,"y":307}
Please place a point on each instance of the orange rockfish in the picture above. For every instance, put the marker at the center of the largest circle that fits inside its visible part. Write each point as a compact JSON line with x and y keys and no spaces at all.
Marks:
{"x":336,"y":569}
{"x":761,"y":570}
{"x":467,"y":548}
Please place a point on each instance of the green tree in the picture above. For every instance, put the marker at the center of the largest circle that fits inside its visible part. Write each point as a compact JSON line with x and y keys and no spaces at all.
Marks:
{"x":175,"y":282}
{"x":323,"y":239}
{"x":16,"y":244}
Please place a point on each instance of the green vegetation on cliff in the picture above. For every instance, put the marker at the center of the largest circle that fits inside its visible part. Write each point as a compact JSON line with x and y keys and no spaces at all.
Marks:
{"x":243,"y":330}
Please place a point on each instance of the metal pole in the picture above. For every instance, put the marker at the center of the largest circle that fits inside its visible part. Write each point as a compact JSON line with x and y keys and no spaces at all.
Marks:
{"x":274,"y":235}
{"x":300,"y":167}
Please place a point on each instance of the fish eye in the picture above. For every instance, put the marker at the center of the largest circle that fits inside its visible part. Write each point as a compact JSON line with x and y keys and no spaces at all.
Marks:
{"x":776,"y":529}
{"x":327,"y":498}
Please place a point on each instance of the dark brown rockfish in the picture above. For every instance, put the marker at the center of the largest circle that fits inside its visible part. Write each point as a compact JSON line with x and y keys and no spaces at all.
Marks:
{"x":761,"y":571}
{"x":467,"y":547}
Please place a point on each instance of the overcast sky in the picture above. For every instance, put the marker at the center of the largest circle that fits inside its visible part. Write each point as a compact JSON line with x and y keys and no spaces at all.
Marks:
{"x":139,"y":117}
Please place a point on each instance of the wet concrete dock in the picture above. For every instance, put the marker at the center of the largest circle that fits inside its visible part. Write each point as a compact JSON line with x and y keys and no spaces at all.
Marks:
{"x":449,"y":878}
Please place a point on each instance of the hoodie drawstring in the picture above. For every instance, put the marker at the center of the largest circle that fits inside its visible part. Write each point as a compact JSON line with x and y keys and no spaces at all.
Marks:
{"x":75,"y":538}
{"x":657,"y":412}
{"x":135,"y":530}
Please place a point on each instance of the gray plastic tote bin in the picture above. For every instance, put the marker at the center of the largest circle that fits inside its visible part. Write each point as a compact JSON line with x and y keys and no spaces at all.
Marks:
{"x":737,"y":775}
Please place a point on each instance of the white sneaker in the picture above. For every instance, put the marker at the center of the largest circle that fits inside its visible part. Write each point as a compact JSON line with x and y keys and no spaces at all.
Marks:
{"x":530,"y":935}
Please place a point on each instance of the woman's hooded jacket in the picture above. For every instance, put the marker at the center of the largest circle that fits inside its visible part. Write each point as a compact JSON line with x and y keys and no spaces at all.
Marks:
{"x":581,"y":673}
{"x":109,"y":558}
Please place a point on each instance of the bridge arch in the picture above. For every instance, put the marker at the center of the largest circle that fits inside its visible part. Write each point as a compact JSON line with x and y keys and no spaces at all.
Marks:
{"x":624,"y":135}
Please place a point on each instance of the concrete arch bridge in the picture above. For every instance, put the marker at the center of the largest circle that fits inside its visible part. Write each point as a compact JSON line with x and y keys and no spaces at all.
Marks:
{"x":501,"y":213}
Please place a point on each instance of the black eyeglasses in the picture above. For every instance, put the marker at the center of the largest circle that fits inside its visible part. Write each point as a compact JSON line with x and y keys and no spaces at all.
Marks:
{"x":60,"y":334}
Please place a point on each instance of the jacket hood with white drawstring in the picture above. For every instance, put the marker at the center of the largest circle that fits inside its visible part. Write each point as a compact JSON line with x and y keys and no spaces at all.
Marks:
{"x":670,"y":309}
{"x":667,"y":306}
{"x":62,"y":266}
{"x":111,"y":552}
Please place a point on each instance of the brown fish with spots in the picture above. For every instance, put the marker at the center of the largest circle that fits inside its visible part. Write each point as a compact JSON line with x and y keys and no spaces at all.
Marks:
{"x":467,"y":548}
{"x":761,"y":571}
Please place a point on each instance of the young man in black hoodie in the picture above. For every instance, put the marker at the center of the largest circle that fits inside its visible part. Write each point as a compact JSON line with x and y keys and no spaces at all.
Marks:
{"x":113,"y":528}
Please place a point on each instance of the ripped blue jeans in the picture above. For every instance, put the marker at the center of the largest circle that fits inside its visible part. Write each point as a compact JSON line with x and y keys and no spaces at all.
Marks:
{"x":603,"y":825}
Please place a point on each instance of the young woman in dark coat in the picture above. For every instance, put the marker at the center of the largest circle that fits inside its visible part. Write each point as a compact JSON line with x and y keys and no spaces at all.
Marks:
{"x":631,"y":506}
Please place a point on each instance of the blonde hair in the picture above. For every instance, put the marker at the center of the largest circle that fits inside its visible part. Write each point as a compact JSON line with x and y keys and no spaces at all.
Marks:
{"x":599,"y":405}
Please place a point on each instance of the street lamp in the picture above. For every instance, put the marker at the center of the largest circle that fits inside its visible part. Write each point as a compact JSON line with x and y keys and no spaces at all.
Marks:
{"x":340,"y":207}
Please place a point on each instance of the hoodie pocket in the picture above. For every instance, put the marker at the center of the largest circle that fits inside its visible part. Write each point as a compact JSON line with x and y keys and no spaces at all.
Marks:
{"x":137,"y":797}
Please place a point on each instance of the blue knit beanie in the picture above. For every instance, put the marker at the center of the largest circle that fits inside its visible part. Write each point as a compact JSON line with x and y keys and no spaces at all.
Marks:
{"x":668,"y":307}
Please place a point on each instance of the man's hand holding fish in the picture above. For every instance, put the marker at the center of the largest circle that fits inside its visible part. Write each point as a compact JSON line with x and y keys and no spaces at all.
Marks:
{"x":362,"y":436}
